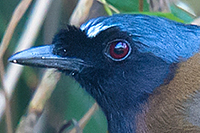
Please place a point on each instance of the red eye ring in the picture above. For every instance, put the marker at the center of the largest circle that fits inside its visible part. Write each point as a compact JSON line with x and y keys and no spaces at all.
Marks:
{"x":118,"y":50}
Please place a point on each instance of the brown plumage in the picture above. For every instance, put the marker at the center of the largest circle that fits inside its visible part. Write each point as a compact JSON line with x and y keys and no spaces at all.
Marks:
{"x":170,"y":108}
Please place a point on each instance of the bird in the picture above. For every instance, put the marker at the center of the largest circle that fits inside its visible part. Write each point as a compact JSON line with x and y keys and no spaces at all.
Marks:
{"x":142,"y":70}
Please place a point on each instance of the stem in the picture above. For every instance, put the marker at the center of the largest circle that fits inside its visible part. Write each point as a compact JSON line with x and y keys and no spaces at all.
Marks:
{"x":141,"y":5}
{"x":7,"y":101}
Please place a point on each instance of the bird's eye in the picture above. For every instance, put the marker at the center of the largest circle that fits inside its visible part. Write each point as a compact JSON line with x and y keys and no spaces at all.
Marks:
{"x":118,"y":50}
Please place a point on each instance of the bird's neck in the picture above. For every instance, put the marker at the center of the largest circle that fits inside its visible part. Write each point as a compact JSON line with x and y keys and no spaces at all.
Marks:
{"x":121,"y":121}
{"x":120,"y":115}
{"x":120,"y":111}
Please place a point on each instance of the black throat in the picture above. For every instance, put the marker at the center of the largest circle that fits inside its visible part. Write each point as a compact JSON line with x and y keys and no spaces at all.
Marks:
{"x":120,"y":93}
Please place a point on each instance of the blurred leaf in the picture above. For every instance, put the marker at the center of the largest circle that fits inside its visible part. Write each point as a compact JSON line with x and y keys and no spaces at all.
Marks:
{"x":189,"y":6}
{"x":128,"y":5}
{"x":160,"y":14}
{"x":185,"y":16}
{"x":106,"y":7}
{"x":186,"y":10}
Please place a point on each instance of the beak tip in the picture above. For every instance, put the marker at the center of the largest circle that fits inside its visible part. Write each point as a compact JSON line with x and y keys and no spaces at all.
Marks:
{"x":20,"y":56}
{"x":12,"y":60}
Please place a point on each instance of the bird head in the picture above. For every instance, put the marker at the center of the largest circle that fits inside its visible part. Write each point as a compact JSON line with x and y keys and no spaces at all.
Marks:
{"x":120,"y":60}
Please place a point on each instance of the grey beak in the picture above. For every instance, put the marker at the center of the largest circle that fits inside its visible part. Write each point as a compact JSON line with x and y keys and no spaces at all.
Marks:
{"x":43,"y":56}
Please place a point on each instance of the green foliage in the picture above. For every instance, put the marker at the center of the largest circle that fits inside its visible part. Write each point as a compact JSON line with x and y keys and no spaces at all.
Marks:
{"x":160,"y":14}
{"x":128,"y":5}
{"x":186,"y":17}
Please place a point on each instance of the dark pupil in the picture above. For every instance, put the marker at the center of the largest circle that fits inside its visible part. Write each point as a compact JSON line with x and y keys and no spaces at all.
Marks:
{"x":119,"y":48}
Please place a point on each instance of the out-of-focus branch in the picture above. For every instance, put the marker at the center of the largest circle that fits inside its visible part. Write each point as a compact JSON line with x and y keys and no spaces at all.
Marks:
{"x":159,"y":5}
{"x":106,"y":6}
{"x":141,"y":5}
{"x":36,"y":106}
{"x":26,"y":41}
{"x":83,"y":121}
{"x":196,"y":21}
{"x":48,"y":83}
{"x":5,"y":100}
{"x":16,"y":17}
{"x":81,"y":12}
{"x":29,"y":35}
